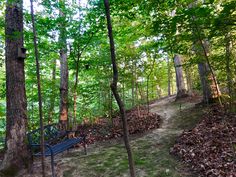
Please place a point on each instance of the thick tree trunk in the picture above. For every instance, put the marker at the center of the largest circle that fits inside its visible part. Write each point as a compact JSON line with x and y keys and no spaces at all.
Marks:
{"x":63,"y":89}
{"x":181,"y":91}
{"x":16,"y":155}
{"x":115,"y":91}
{"x":203,"y":70}
{"x":210,"y":87}
{"x":63,"y":71}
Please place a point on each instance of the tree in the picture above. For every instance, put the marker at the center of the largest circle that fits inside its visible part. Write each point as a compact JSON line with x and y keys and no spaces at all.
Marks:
{"x":115,"y":92}
{"x":181,"y":91}
{"x":16,"y":154}
{"x":39,"y":89}
{"x":63,"y":67}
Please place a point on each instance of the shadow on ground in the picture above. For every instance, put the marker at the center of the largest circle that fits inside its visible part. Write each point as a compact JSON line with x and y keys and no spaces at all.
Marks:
{"x":151,"y":150}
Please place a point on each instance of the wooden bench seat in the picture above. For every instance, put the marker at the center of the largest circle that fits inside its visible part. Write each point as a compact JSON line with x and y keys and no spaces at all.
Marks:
{"x":56,"y":142}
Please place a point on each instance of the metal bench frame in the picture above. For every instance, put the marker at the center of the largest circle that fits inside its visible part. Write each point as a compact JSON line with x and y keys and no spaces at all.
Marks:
{"x":56,"y":141}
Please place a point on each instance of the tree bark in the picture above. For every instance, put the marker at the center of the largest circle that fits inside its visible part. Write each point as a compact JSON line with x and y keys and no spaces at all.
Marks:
{"x":181,"y":91}
{"x":203,"y":70}
{"x":147,"y":86}
{"x":63,"y":70}
{"x":201,"y":48}
{"x":16,"y":155}
{"x":189,"y":81}
{"x":115,"y":91}
{"x":52,"y":97}
{"x":39,"y":89}
{"x":169,"y":76}
{"x":228,"y":47}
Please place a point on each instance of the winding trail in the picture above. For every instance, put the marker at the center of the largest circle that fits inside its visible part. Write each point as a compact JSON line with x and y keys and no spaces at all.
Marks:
{"x":151,"y":150}
{"x":168,"y":109}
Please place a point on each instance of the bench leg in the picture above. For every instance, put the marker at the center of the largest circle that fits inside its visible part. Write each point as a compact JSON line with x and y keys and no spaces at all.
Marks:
{"x":52,"y":165}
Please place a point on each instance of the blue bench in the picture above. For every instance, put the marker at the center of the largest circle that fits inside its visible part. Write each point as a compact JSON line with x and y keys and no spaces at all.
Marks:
{"x":56,"y":141}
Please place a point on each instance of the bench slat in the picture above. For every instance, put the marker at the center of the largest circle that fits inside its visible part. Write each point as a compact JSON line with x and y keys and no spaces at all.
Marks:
{"x":64,"y":145}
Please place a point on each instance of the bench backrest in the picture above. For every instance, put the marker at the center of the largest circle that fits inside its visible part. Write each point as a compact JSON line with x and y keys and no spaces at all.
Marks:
{"x":50,"y":132}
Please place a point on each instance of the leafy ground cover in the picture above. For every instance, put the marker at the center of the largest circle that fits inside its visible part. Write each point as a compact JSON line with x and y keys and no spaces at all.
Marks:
{"x":104,"y":129}
{"x":209,"y":148}
{"x":151,"y":148}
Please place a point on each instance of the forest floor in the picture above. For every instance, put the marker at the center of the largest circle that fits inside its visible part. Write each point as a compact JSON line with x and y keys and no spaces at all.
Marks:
{"x":151,"y":149}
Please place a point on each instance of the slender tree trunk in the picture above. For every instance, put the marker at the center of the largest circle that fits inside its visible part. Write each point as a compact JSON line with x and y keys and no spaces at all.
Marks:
{"x":228,"y":47}
{"x":63,"y":70}
{"x":16,"y":155}
{"x":133,"y":86}
{"x":189,"y":81}
{"x":123,"y":90}
{"x":115,"y":92}
{"x":75,"y":91}
{"x":111,"y":105}
{"x":39,"y":89}
{"x":136,"y":88}
{"x":148,"y":77}
{"x":137,"y":98}
{"x":209,"y":84}
{"x":52,"y":97}
{"x":214,"y":87}
{"x":169,"y":76}
{"x":147,"y":90}
{"x":181,"y":91}
{"x":202,"y":50}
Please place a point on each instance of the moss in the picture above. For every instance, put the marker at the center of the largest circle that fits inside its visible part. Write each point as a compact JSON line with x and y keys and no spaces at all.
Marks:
{"x":10,"y":171}
{"x":68,"y":173}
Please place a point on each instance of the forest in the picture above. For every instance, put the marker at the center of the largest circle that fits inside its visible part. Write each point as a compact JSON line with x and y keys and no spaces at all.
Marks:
{"x":143,"y":87}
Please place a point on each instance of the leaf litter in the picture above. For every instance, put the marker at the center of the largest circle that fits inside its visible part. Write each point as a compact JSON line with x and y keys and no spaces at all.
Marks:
{"x":210,"y":148}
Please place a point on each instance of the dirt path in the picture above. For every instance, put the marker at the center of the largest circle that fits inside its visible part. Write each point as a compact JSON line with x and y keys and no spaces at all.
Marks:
{"x":151,"y":151}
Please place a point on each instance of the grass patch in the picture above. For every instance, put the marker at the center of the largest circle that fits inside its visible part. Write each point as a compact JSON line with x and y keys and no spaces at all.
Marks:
{"x":152,"y":158}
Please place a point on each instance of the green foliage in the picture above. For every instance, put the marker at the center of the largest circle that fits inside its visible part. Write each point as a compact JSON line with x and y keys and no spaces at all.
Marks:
{"x":146,"y":33}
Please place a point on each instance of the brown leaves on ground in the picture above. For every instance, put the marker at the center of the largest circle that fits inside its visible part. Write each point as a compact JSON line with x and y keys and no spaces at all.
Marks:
{"x":210,"y":148}
{"x":105,"y":129}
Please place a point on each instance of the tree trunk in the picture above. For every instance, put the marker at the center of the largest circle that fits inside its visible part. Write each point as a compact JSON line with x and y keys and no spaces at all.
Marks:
{"x":75,"y":90}
{"x":132,"y":91}
{"x":111,"y":105}
{"x":203,"y":70}
{"x":39,"y":89}
{"x":189,"y":81}
{"x":137,"y":98}
{"x":52,"y":97}
{"x":208,"y":79}
{"x":147,"y":90}
{"x":228,"y":47}
{"x":16,"y":155}
{"x":63,"y":70}
{"x":169,"y":76}
{"x":181,"y":91}
{"x":115,"y":91}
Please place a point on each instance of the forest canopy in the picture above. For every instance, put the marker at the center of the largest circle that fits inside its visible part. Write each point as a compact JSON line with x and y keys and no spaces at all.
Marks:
{"x":147,"y":36}
{"x":73,"y":62}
